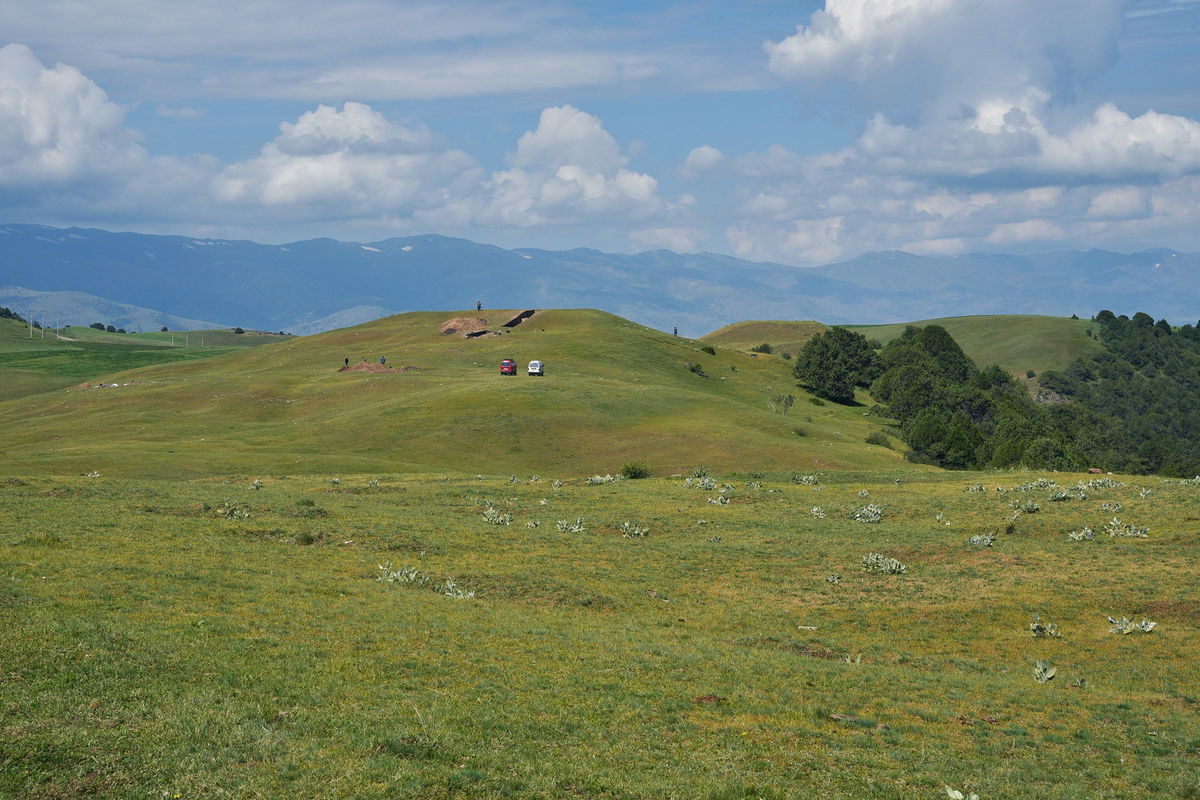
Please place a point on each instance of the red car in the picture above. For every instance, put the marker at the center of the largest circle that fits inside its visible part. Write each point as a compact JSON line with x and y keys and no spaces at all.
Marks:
{"x":508,"y":367}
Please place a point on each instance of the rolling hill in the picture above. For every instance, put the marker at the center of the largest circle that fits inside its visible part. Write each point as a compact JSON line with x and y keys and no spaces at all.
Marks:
{"x":614,"y":392}
{"x":1017,"y":343}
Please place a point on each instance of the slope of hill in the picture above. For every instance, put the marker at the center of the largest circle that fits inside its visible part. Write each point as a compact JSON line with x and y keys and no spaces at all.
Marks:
{"x":1017,"y":343}
{"x":614,"y":392}
{"x":783,"y":336}
{"x":323,"y":283}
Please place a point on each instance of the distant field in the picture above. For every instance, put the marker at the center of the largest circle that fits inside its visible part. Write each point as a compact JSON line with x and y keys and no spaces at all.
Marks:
{"x":50,"y":360}
{"x":1016,"y":342}
{"x":208,"y":639}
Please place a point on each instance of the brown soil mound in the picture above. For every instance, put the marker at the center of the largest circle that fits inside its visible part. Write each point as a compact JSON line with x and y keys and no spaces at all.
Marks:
{"x":371,"y":366}
{"x":463,"y":325}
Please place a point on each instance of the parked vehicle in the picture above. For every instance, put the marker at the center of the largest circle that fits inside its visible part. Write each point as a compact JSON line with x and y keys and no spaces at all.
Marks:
{"x":508,"y":367}
{"x":537,"y":368}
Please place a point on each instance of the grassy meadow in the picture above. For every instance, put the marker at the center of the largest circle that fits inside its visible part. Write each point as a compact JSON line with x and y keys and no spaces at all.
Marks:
{"x":260,"y":575}
{"x":51,"y":360}
{"x":207,"y":638}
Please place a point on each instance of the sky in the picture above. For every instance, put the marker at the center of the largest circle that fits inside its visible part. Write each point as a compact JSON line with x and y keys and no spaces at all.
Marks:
{"x":800,"y":132}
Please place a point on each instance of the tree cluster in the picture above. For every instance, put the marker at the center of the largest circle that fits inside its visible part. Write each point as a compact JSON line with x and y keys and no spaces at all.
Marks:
{"x":833,"y":363}
{"x":1141,"y":396}
{"x":1133,"y":408}
{"x":955,"y":415}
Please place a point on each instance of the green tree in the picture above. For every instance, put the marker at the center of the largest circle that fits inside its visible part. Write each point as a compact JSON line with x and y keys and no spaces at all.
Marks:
{"x":832,"y":363}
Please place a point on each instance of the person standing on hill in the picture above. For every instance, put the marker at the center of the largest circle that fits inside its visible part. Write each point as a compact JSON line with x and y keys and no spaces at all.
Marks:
{"x":479,"y":305}
{"x":382,"y":360}
{"x":347,"y":361}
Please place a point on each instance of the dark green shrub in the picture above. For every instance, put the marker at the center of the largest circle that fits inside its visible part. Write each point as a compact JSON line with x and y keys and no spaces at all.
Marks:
{"x":799,"y":431}
{"x":763,"y":348}
{"x":695,"y":369}
{"x":708,"y":348}
{"x":878,"y":438}
{"x":816,"y":401}
{"x":635,"y":469}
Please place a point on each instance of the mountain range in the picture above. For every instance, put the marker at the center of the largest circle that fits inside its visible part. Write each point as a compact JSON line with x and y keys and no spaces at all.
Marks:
{"x":320,"y":284}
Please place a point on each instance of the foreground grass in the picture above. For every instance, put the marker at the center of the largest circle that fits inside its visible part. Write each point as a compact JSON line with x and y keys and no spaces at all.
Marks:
{"x":207,"y":639}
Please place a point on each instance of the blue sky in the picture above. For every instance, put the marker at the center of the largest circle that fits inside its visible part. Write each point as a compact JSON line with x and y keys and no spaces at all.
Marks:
{"x":800,"y":132}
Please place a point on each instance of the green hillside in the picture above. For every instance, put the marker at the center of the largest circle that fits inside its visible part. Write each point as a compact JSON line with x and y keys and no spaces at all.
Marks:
{"x":614,"y":392}
{"x":783,"y":336}
{"x":1016,"y":342}
{"x":51,"y":359}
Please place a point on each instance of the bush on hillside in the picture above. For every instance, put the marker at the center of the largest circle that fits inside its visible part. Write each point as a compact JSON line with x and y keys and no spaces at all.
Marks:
{"x":708,"y":348}
{"x":878,"y":438}
{"x":763,"y":348}
{"x":635,"y":469}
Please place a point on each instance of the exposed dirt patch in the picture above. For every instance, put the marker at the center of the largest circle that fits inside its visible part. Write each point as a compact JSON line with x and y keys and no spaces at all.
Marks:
{"x":371,"y":366}
{"x":463,"y":325}
{"x":519,"y":318}
{"x":1174,"y":609}
{"x":806,"y":649}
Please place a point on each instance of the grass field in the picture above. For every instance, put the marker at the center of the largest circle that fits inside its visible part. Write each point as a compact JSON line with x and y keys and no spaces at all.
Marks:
{"x":207,"y":639}
{"x":614,"y":392}
{"x":51,"y":360}
{"x":260,"y":575}
{"x":1017,"y":343}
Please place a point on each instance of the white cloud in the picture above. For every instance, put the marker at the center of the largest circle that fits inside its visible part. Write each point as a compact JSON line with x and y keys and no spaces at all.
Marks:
{"x":933,"y":50}
{"x":1013,"y":138}
{"x":349,"y":163}
{"x":1120,"y":203}
{"x":702,"y":159}
{"x":976,"y":138}
{"x":323,"y":52}
{"x":567,"y":169}
{"x":56,"y":126}
{"x":470,"y":75}
{"x":681,"y":240}
{"x":1031,"y":230}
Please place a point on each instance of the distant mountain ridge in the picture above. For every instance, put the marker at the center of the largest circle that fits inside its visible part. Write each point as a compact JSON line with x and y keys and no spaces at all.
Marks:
{"x":322,"y":283}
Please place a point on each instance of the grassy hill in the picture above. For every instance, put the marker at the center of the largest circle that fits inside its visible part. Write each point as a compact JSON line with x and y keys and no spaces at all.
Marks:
{"x":50,"y":360}
{"x":1016,"y":342}
{"x":614,"y":392}
{"x":783,"y":336}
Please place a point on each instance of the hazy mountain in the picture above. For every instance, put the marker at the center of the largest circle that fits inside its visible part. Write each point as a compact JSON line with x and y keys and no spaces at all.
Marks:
{"x":52,"y":309}
{"x":321,"y":283}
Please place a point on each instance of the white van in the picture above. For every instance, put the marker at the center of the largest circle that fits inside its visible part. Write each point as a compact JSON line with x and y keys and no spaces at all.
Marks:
{"x":537,"y":368}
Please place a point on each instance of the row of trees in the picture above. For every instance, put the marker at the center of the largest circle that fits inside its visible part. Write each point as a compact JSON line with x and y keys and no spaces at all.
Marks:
{"x":1134,"y":407}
